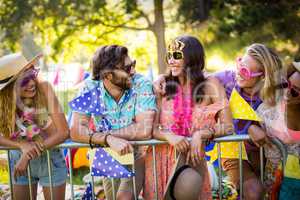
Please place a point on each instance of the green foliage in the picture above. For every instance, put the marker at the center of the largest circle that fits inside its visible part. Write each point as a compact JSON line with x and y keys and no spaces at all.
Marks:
{"x":190,"y":11}
{"x":264,"y":20}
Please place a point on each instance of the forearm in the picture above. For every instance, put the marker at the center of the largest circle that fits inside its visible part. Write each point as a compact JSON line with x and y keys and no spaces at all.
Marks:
{"x":161,"y":134}
{"x":223,"y":129}
{"x":55,"y":139}
{"x":82,"y":134}
{"x":135,"y":131}
{"x":8,"y":143}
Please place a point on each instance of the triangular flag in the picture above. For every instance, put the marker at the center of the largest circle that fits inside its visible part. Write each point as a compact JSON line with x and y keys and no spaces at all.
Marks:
{"x":127,"y":159}
{"x":240,"y":109}
{"x":107,"y":166}
{"x":88,"y":193}
{"x":228,"y":150}
{"x":56,"y":76}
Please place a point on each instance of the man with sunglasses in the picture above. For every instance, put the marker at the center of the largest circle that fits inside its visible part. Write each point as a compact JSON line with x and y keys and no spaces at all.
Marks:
{"x":128,"y":114}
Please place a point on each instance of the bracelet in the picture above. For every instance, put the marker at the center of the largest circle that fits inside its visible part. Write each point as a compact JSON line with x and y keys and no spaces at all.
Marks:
{"x":90,"y":140}
{"x":105,"y":139}
{"x":212,"y":133}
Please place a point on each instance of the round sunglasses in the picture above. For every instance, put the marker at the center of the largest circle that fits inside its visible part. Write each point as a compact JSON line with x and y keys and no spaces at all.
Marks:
{"x":29,"y":75}
{"x":127,"y":68}
{"x":176,"y":55}
{"x":295,"y":92}
{"x":244,"y":71}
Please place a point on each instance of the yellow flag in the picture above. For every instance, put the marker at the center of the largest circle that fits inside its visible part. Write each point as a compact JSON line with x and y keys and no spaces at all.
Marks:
{"x":292,"y":167}
{"x":127,"y":159}
{"x":228,"y":150}
{"x":240,"y":109}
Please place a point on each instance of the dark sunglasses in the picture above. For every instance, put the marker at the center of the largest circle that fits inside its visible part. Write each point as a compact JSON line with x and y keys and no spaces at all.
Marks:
{"x":31,"y":74}
{"x":176,"y":55}
{"x":287,"y":84}
{"x":127,"y":68}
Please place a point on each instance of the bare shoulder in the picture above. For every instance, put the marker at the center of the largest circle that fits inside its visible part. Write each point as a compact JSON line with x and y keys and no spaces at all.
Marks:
{"x":50,"y":97}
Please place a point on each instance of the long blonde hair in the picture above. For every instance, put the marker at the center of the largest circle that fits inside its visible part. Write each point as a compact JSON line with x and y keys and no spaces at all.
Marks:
{"x":272,"y":67}
{"x":8,"y":107}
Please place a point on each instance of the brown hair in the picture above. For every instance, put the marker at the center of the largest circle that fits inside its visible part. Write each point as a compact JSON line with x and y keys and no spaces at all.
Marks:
{"x":107,"y":58}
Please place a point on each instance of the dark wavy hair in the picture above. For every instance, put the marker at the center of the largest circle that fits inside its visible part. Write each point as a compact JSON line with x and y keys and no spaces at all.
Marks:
{"x":194,"y":63}
{"x":106,"y":58}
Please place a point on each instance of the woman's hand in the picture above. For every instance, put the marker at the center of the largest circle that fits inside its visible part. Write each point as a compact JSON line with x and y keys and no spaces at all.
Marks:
{"x":159,"y":85}
{"x":119,"y":145}
{"x":257,"y":135}
{"x":21,"y":167}
{"x":180,"y":143}
{"x":30,"y":149}
{"x":194,"y":156}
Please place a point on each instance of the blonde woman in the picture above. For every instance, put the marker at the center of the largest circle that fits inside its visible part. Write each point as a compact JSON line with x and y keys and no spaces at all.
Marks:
{"x":258,"y":71}
{"x":31,"y":120}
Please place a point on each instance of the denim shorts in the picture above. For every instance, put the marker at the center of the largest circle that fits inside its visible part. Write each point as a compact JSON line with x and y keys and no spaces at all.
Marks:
{"x":39,"y":169}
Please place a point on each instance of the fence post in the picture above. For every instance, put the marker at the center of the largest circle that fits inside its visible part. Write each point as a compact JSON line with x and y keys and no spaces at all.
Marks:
{"x":10,"y":179}
{"x":29,"y":179}
{"x":50,"y":173}
{"x":154,"y":171}
{"x":220,"y":170}
{"x":241,"y":168}
{"x":71,"y":173}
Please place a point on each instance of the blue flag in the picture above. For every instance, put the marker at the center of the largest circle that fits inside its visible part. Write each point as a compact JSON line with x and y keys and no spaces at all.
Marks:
{"x":90,"y":102}
{"x":105,"y":165}
{"x":88,"y":193}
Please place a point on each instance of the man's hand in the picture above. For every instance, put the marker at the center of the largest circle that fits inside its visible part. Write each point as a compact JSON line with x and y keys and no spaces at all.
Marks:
{"x":30,"y":149}
{"x":119,"y":145}
{"x":159,"y":85}
{"x":21,"y":167}
{"x":180,"y":143}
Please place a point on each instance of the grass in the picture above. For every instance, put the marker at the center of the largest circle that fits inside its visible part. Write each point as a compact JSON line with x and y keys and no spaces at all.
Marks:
{"x":78,"y":175}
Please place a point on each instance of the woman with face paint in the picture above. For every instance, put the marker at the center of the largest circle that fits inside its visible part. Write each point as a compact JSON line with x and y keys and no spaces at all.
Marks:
{"x":193,"y":106}
{"x":33,"y":121}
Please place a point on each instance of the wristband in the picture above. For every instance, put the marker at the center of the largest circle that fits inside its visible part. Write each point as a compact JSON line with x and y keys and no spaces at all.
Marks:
{"x":212,"y":133}
{"x":105,"y":139}
{"x":90,"y":140}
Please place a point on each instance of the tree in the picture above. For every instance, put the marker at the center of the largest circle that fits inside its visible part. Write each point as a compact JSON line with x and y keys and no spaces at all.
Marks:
{"x":262,"y":21}
{"x":66,"y":17}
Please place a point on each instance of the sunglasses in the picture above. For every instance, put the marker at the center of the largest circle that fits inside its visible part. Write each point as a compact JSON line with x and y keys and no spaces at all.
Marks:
{"x":244,"y":71}
{"x":295,"y":92}
{"x":127,"y":68}
{"x":31,"y":74}
{"x":176,"y":55}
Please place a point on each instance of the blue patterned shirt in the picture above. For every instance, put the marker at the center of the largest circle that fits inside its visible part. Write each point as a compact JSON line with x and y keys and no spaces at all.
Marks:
{"x":138,"y":99}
